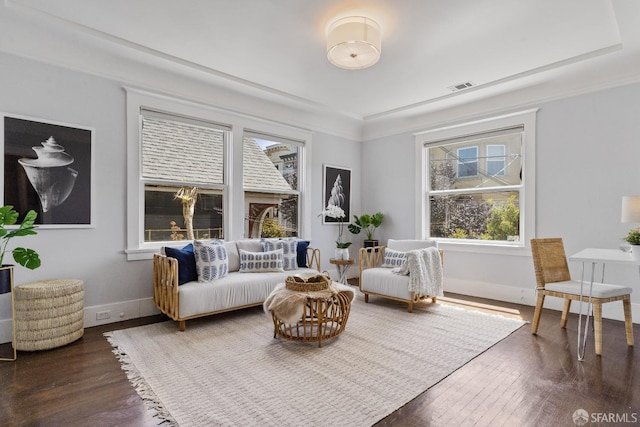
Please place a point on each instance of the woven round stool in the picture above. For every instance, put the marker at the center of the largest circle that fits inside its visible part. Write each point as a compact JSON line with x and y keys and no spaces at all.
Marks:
{"x":49,"y":313}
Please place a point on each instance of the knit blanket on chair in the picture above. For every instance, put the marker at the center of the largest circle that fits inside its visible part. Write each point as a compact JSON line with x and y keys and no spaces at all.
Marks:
{"x":424,"y":268}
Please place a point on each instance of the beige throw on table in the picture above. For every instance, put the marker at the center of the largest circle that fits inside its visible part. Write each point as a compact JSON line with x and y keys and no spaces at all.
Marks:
{"x":288,"y":305}
{"x":228,"y":370}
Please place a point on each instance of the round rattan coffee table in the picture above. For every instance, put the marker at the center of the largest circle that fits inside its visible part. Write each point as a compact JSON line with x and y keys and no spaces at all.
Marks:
{"x":324,"y":315}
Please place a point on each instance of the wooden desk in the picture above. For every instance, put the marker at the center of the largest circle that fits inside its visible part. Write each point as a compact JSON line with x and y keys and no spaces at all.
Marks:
{"x":596,"y":256}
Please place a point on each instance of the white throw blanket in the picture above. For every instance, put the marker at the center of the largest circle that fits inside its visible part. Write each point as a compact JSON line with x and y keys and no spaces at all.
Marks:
{"x":424,"y":268}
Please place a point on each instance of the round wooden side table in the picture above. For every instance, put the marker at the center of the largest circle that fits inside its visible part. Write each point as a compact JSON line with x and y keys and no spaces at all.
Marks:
{"x":343,"y":266}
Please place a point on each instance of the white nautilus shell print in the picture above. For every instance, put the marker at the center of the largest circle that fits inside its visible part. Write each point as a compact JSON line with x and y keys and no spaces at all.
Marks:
{"x":50,"y":174}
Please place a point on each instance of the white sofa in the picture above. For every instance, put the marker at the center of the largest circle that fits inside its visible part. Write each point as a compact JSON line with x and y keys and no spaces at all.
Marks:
{"x":382,"y":282}
{"x":234,"y":291}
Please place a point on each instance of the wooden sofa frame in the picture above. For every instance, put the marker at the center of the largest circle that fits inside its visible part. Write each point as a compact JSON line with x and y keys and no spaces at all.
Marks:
{"x":166,"y":295}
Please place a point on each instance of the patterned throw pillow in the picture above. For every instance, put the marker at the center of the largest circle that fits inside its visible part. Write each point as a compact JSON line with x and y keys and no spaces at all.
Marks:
{"x":393,"y":258}
{"x":212,"y":261}
{"x":289,"y":250}
{"x":258,"y":262}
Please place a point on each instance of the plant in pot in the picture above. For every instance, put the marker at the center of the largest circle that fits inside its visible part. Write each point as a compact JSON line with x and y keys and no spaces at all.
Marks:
{"x":633,"y":238}
{"x":337,"y":213}
{"x":368,"y":224}
{"x":25,"y":257}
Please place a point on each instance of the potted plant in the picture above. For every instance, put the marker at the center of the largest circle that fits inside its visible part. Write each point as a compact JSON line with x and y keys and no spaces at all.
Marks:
{"x":368,"y":224}
{"x":25,"y":257}
{"x":336,"y":212}
{"x":633,"y":238}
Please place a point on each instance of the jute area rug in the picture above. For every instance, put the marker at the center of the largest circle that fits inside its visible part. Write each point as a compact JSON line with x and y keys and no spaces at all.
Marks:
{"x":229,"y":370}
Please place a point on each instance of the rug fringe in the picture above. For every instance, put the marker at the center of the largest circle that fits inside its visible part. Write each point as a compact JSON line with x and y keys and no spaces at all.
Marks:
{"x":140,"y":385}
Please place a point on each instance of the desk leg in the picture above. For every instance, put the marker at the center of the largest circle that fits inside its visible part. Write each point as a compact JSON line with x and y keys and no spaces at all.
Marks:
{"x":582,"y":345}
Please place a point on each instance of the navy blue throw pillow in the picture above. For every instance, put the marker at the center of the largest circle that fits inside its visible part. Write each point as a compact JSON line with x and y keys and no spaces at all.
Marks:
{"x":302,"y":253}
{"x":187,"y":271}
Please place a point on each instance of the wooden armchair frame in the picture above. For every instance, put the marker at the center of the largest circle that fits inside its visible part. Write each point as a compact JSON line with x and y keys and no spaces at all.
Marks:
{"x":373,"y":257}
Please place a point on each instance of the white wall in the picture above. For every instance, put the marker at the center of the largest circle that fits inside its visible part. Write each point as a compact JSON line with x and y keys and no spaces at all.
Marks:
{"x":588,"y":152}
{"x":96,"y":255}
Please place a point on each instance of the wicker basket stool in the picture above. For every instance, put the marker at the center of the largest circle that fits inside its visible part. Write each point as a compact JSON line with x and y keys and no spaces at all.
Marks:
{"x":325,"y":311}
{"x":48,"y":313}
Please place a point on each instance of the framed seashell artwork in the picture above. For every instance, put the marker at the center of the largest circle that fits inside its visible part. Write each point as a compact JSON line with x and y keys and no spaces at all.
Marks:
{"x":49,"y":166}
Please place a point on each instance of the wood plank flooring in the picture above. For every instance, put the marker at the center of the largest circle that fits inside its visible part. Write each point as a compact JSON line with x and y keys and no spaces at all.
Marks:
{"x":525,"y":380}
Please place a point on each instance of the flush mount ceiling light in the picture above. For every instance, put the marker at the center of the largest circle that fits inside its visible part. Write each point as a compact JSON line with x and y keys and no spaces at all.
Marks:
{"x":353,"y":43}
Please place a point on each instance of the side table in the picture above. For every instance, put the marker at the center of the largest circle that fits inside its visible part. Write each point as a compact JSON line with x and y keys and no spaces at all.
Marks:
{"x":343,"y":266}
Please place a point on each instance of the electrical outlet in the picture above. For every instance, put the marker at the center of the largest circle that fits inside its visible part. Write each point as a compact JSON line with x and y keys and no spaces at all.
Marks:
{"x":102,"y":315}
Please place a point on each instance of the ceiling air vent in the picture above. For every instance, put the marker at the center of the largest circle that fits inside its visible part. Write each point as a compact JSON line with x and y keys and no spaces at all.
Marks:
{"x":460,"y":86}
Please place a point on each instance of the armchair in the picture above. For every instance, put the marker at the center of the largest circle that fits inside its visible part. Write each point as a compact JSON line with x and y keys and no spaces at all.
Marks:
{"x":382,"y":282}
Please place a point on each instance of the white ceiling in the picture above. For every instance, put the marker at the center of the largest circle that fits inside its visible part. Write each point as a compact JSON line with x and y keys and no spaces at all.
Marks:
{"x":275,"y":49}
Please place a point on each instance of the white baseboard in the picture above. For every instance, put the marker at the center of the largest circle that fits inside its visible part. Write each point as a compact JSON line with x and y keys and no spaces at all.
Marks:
{"x":528,"y":297}
{"x":118,"y":312}
{"x":133,"y":309}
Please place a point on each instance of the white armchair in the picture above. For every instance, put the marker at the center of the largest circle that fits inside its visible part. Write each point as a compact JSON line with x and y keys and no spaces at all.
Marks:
{"x":382,"y":282}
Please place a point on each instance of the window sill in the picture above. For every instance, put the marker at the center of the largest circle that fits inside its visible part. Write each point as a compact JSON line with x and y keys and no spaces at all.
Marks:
{"x":483,"y":247}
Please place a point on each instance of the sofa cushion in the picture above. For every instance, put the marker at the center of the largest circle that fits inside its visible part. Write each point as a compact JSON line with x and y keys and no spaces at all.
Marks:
{"x":212,"y":261}
{"x":250,"y":245}
{"x":234,"y":290}
{"x":234,"y":256}
{"x":187,"y":271}
{"x":258,"y":262}
{"x":301,"y":253}
{"x":289,"y":250}
{"x":393,"y":258}
{"x":385,"y":282}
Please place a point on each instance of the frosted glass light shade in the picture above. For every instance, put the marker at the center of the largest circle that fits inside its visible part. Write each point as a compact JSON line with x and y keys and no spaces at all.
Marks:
{"x":631,"y":209}
{"x":354,"y":42}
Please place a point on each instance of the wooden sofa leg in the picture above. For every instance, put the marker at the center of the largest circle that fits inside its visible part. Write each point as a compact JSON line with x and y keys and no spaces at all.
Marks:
{"x":182,"y":325}
{"x":410,"y":306}
{"x":537,"y":313}
{"x":366,"y":297}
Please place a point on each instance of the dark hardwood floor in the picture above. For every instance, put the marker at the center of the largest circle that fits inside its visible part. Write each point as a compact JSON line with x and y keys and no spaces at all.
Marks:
{"x":524,"y":380}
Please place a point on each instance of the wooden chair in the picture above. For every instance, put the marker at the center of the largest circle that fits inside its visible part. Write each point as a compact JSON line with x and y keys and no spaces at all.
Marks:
{"x":553,"y":279}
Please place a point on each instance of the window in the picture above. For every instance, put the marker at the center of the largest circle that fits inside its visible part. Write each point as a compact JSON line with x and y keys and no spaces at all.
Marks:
{"x":467,"y":162}
{"x":270,"y":177}
{"x":496,"y":160}
{"x":183,"y":177}
{"x":476,"y":199}
{"x":179,"y":152}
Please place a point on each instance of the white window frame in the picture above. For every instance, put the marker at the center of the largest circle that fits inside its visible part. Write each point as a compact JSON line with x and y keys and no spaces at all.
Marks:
{"x":233,"y":193}
{"x":526,"y":119}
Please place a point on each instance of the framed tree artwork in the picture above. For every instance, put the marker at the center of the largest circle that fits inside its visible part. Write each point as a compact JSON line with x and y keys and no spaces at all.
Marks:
{"x":337,"y":191}
{"x":48,"y":167}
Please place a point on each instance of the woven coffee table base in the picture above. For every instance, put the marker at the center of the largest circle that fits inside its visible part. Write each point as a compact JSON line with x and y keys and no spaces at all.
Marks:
{"x":48,"y":313}
{"x":323,"y":319}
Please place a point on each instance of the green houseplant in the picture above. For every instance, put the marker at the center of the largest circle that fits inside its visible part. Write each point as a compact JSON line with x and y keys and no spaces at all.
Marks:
{"x":367,"y":224}
{"x":25,"y":257}
{"x":633,"y":238}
